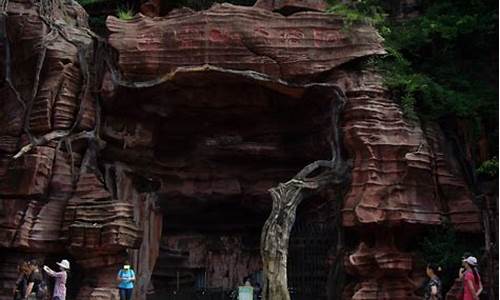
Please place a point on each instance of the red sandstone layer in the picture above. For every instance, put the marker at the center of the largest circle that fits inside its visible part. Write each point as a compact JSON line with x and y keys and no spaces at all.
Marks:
{"x":210,"y":137}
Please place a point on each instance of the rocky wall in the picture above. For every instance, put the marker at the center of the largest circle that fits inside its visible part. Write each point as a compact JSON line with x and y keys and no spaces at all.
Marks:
{"x":52,"y":193}
{"x":165,"y":156}
{"x":404,"y":176}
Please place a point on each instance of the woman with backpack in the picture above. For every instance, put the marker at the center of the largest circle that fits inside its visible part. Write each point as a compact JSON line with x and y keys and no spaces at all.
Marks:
{"x":472,"y":280}
{"x":60,"y":279}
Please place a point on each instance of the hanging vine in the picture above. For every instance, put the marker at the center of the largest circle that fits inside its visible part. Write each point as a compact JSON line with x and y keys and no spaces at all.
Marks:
{"x":91,"y":61}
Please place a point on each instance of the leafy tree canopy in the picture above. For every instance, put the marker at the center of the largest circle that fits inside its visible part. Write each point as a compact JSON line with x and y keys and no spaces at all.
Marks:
{"x":442,"y":62}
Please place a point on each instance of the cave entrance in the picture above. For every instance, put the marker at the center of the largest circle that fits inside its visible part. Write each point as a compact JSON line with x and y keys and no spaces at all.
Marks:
{"x":217,"y":142}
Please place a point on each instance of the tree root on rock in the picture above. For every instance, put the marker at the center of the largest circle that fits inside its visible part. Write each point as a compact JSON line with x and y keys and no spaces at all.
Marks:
{"x":53,"y":135}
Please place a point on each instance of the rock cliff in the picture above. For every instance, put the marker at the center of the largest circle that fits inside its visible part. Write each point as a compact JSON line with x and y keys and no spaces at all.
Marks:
{"x":162,"y":148}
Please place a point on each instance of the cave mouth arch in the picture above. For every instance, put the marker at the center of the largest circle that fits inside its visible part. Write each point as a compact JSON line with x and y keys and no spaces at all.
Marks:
{"x":214,"y":142}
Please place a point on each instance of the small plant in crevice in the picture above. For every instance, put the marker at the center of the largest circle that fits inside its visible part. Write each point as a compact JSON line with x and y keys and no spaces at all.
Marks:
{"x":125,"y":13}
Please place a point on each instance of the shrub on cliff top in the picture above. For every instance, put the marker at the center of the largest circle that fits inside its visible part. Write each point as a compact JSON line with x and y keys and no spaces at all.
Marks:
{"x":442,"y":62}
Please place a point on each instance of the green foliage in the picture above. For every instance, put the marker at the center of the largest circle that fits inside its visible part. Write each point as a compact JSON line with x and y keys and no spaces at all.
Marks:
{"x":489,"y":168}
{"x":433,"y":62}
{"x":364,"y":11}
{"x":439,"y":64}
{"x":125,"y":13}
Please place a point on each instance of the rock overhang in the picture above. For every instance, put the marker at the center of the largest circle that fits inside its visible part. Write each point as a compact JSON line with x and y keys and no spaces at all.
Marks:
{"x":218,"y":134}
{"x":239,"y":38}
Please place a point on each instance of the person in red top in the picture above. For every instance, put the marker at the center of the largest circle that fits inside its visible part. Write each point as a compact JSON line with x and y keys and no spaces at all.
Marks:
{"x":472,"y":281}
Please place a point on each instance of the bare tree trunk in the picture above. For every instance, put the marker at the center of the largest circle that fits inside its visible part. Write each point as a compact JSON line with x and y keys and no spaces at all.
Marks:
{"x":286,"y":198}
{"x":276,"y":231}
{"x":275,"y":235}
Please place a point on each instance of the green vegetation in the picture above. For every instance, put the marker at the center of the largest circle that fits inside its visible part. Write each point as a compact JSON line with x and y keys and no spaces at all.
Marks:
{"x":360,"y":11}
{"x":124,"y":13}
{"x":489,"y":168}
{"x":442,"y":63}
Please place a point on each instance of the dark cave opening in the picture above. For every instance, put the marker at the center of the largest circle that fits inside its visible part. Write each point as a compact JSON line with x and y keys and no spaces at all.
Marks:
{"x":212,"y":179}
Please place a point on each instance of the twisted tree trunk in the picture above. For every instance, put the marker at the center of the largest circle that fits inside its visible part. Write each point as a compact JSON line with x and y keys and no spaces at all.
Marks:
{"x":286,"y":198}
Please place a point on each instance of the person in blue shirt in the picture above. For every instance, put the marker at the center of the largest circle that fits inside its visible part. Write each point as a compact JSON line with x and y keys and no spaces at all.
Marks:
{"x":126,"y":277}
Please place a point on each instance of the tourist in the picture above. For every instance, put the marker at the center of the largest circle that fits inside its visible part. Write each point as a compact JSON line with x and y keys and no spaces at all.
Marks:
{"x":22,"y":280}
{"x":459,"y":281}
{"x":433,"y":290}
{"x":472,"y":280}
{"x":35,"y":287}
{"x":126,"y":277}
{"x":60,"y":279}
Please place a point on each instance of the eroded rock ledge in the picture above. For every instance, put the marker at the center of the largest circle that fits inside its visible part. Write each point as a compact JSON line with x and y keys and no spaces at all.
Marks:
{"x":169,"y":154}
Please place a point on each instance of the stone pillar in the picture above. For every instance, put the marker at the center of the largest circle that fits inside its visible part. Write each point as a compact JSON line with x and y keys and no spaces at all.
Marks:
{"x":403,"y":176}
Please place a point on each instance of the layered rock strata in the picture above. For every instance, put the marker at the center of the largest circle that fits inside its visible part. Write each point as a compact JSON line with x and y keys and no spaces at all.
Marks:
{"x":202,"y":114}
{"x":54,"y":204}
{"x":404,"y":176}
{"x":301,"y":45}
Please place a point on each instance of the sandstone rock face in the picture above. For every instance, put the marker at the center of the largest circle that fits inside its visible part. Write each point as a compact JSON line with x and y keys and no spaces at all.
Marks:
{"x":403,"y":175}
{"x":402,"y":170}
{"x":201,"y":115}
{"x":54,"y":202}
{"x":300,"y":45}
